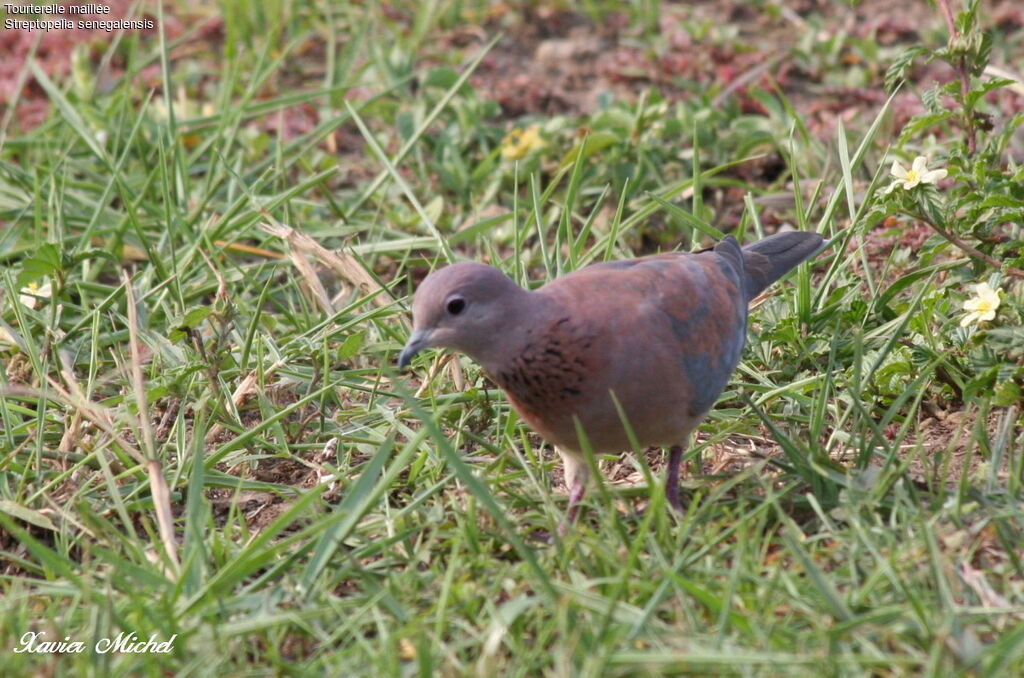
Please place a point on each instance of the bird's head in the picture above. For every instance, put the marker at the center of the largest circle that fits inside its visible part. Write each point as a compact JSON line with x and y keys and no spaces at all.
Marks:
{"x":467,"y":307}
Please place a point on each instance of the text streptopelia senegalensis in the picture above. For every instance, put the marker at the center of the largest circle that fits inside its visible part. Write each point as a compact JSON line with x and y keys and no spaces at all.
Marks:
{"x":658,"y":336}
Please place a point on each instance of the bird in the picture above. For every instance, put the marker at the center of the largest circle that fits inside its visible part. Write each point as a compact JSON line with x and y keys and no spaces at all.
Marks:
{"x":640,"y":346}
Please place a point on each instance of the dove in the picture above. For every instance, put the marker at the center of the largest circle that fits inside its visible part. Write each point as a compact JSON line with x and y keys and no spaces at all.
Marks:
{"x":642,"y":346}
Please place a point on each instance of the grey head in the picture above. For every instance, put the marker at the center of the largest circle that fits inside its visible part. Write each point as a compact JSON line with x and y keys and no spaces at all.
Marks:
{"x":467,"y":307}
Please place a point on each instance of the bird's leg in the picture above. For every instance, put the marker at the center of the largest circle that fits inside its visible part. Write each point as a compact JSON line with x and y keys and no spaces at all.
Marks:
{"x":576,"y":493}
{"x":576,"y":475}
{"x":675,"y":460}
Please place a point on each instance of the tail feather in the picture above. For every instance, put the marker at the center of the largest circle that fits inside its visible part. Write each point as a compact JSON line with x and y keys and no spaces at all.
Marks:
{"x":767,"y":260}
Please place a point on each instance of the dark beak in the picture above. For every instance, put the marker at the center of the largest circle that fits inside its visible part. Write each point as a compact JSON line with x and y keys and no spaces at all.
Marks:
{"x":418,"y":340}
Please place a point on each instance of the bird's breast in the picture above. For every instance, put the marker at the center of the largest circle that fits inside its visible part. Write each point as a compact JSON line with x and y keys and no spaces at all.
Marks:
{"x":548,"y":371}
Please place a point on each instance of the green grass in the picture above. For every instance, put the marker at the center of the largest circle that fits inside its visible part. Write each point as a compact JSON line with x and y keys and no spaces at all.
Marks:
{"x":203,"y":434}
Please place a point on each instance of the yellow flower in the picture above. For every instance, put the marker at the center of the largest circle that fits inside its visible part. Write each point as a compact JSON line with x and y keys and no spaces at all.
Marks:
{"x":520,"y":142}
{"x":982,"y":307}
{"x":33,"y":293}
{"x":917,"y":174}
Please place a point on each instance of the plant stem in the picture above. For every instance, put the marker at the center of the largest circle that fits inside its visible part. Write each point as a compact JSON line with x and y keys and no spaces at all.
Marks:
{"x":961,"y":68}
{"x":968,"y":250}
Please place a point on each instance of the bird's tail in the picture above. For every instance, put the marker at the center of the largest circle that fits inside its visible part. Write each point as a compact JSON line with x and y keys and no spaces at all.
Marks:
{"x":767,"y":260}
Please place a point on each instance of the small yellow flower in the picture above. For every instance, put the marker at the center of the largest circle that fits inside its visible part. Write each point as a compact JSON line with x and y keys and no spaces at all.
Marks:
{"x":32,"y":294}
{"x":982,"y":307}
{"x":520,"y":142}
{"x":917,"y":174}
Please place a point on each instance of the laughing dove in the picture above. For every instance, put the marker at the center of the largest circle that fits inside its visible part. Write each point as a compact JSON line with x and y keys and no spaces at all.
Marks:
{"x":657,"y":336}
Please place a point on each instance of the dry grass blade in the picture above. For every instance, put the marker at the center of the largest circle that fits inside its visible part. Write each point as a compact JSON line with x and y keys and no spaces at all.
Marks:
{"x":75,"y":399}
{"x":345,"y":265}
{"x":157,"y":482}
{"x":455,"y":369}
{"x":164,"y":518}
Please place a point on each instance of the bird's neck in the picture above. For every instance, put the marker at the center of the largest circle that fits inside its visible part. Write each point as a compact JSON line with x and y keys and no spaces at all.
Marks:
{"x":543,"y":362}
{"x":518,"y":324}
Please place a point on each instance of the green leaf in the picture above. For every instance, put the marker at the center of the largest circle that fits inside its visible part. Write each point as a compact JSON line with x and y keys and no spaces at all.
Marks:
{"x":589,"y":146}
{"x":982,"y":53}
{"x":46,"y":261}
{"x":93,"y":253}
{"x":26,"y":514}
{"x":190,"y":320}
{"x":1008,"y":340}
{"x":977,"y":93}
{"x":922,"y":122}
{"x":930,"y":202}
{"x":882,"y":301}
{"x":980,"y":384}
{"x":932,"y":100}
{"x":1001,"y":201}
{"x":898,"y":69}
{"x":444,"y":78}
{"x":1006,"y":393}
{"x":351,"y":345}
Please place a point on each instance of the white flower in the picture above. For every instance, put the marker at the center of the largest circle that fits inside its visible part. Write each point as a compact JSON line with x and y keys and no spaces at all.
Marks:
{"x":32,"y":293}
{"x":982,"y":306}
{"x":917,"y":174}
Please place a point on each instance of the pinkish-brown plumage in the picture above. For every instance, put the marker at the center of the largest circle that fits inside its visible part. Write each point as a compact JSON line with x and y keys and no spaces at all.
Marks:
{"x":656,"y":337}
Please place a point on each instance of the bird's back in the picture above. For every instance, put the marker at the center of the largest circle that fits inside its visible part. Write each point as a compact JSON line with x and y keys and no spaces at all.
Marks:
{"x":660,"y":335}
{"x":657,"y":336}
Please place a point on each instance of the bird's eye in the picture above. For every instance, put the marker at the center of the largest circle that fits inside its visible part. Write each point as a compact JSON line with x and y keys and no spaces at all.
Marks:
{"x":455,"y":305}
